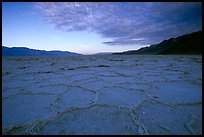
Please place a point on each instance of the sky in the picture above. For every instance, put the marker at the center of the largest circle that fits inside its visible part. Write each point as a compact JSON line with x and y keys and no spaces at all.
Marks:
{"x":92,"y":27}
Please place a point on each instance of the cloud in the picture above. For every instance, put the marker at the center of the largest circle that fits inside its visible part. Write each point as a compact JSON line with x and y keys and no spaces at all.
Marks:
{"x":126,"y":23}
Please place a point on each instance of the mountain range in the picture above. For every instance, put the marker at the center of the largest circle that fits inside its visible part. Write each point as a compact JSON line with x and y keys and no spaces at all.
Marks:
{"x":23,"y":51}
{"x":188,"y":44}
{"x":104,"y":53}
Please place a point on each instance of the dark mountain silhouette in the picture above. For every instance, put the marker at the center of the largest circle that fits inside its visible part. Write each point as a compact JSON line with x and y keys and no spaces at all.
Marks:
{"x":23,"y":51}
{"x":188,"y":44}
{"x":104,"y":53}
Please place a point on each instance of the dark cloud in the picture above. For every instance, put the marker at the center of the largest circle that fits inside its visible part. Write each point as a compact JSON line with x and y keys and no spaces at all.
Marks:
{"x":126,"y":22}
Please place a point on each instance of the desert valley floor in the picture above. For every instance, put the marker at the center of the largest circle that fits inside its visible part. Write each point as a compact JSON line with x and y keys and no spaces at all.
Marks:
{"x":112,"y":94}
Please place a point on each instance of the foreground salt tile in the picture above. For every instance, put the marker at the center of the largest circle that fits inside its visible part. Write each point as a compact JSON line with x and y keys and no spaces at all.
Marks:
{"x":121,"y":97}
{"x":24,"y":109}
{"x":177,"y":92}
{"x":73,"y":97}
{"x":99,"y":119}
{"x":161,"y":119}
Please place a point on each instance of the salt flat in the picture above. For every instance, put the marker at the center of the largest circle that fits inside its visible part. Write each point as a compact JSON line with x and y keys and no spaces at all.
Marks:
{"x":113,"y":94}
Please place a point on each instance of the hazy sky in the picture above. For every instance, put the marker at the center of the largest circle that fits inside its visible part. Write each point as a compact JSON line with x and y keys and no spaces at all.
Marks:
{"x":91,"y":27}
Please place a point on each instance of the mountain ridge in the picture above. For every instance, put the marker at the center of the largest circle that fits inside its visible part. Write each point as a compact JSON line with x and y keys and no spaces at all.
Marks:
{"x":24,"y":51}
{"x":186,"y":44}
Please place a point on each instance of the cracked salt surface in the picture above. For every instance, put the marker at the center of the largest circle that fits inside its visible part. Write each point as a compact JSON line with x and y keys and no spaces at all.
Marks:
{"x":102,"y":95}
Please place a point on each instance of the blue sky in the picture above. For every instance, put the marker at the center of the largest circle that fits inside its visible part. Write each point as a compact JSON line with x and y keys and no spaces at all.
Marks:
{"x":89,"y":28}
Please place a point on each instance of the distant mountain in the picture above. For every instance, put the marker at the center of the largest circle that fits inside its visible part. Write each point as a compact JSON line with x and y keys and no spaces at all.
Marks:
{"x":23,"y":51}
{"x":104,"y":53}
{"x":186,"y":44}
